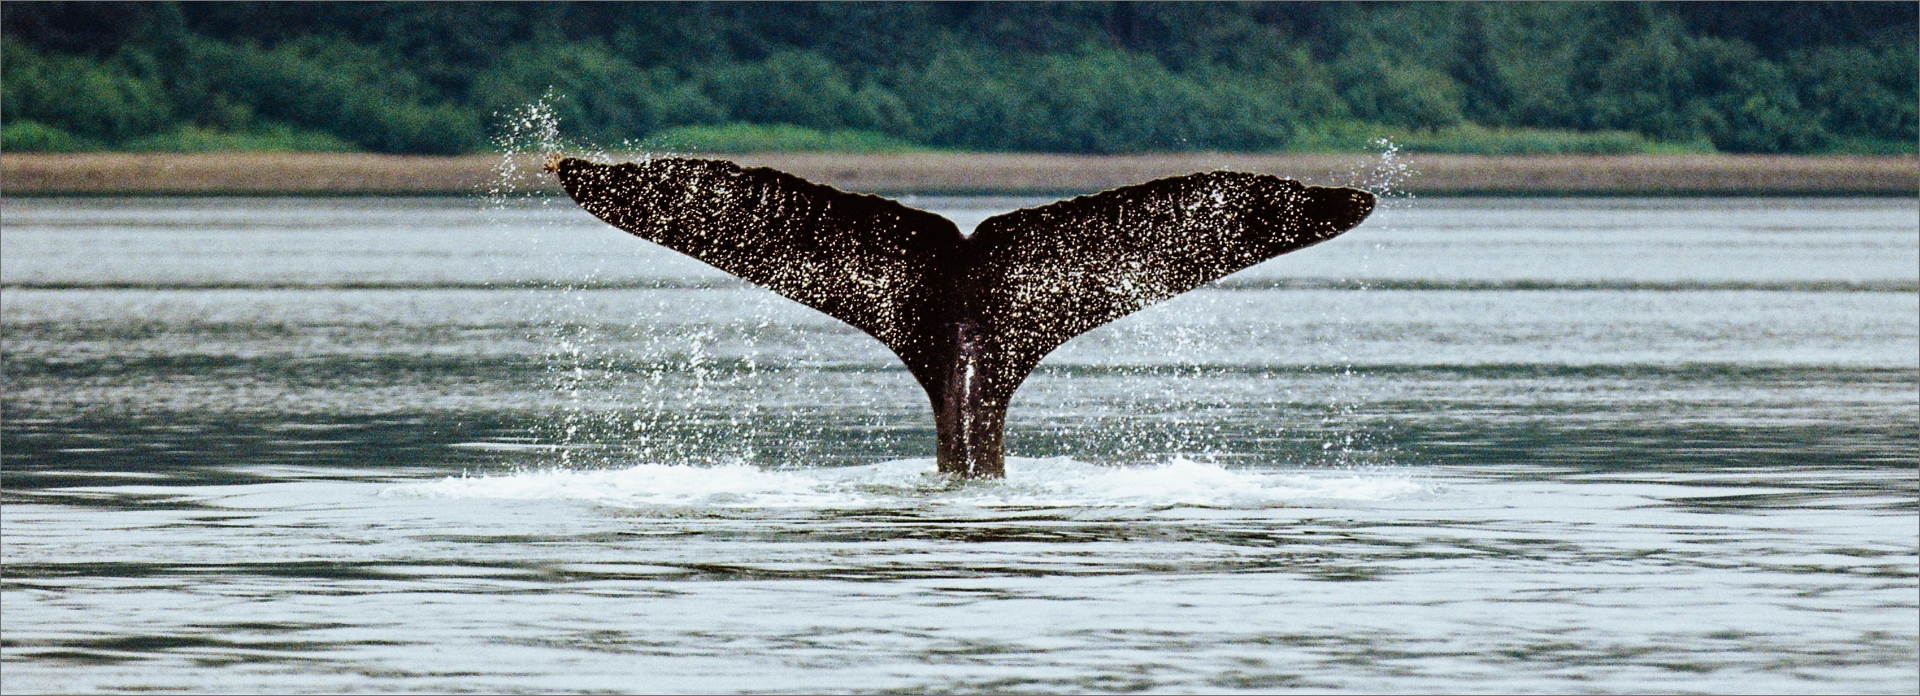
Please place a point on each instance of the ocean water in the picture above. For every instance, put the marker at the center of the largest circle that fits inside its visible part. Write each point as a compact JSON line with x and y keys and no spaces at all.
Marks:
{"x":1475,"y":445}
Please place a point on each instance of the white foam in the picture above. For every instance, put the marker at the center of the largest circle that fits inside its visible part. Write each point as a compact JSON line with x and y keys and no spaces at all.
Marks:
{"x":1057,"y":482}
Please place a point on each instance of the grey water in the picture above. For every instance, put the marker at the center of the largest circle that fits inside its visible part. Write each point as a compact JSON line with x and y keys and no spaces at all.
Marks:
{"x":1475,"y":445}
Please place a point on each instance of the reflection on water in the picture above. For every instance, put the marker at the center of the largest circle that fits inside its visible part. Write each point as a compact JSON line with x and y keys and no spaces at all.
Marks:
{"x":1494,"y":445}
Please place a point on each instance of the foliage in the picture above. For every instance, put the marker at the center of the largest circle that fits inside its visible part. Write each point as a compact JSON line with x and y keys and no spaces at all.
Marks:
{"x":1470,"y":139}
{"x":262,"y":137}
{"x":1065,"y":77}
{"x":801,"y":88}
{"x":345,"y":89}
{"x":780,"y":137}
{"x":1473,"y":139}
{"x":21,"y":135}
{"x":599,"y":96}
{"x":1858,"y":91}
{"x":108,"y":100}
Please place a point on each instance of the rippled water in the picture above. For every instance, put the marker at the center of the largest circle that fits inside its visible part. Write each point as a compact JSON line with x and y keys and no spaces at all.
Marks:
{"x":1475,"y":445}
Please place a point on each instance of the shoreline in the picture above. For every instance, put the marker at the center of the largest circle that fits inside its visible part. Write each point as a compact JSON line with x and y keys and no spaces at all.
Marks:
{"x":351,"y":174}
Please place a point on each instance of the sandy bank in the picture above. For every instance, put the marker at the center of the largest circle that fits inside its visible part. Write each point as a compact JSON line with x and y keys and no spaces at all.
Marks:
{"x":283,"y":173}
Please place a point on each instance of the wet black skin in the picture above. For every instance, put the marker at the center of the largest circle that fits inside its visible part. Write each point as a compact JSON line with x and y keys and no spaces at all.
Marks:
{"x":969,"y":315}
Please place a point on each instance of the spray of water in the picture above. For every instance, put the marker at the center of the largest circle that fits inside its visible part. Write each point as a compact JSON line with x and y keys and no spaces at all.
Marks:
{"x":528,"y":135}
{"x":630,"y":382}
{"x":625,"y":384}
{"x":1350,"y":439}
{"x":1386,"y":176}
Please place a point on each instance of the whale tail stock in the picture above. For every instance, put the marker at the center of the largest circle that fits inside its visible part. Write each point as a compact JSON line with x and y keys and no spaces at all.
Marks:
{"x":969,"y":315}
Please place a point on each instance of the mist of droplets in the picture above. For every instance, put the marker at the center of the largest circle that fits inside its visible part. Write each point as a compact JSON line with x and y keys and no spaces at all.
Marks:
{"x":1351,"y":439}
{"x":640,"y":388}
{"x":704,"y":394}
{"x":615,"y":388}
{"x":1341,"y":435}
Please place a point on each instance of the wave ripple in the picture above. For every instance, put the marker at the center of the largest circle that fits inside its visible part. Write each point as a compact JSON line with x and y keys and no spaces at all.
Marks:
{"x":1045,"y":483}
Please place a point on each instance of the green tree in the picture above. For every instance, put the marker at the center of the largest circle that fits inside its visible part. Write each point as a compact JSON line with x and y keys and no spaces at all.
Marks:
{"x":1858,"y":91}
{"x":1071,"y":77}
{"x":803,"y":88}
{"x":348,"y":90}
{"x":596,"y":94}
{"x":1380,"y":89}
{"x":105,"y":100}
{"x":1746,"y":103}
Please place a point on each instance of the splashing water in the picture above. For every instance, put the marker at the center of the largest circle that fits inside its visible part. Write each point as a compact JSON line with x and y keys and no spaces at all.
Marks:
{"x":1387,"y":176}
{"x":911,"y":484}
{"x":528,"y":135}
{"x":649,"y":387}
{"x":609,"y":389}
{"x":1347,"y":443}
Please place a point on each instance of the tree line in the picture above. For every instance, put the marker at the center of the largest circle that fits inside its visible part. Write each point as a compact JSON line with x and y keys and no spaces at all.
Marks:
{"x":1050,"y":77}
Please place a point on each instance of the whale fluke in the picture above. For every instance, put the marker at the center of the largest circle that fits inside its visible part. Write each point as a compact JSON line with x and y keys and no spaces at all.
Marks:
{"x":969,"y":315}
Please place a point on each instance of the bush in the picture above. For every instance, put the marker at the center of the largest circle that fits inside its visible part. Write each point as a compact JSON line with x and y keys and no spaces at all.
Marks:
{"x":1523,"y":64}
{"x":33,"y":136}
{"x":1403,"y":94}
{"x":96,"y":100}
{"x":1860,"y":93}
{"x":790,"y":87}
{"x":1265,"y":109}
{"x":1093,"y":77}
{"x":1679,"y":88}
{"x":802,"y":88}
{"x":270,"y":137}
{"x":1870,"y":146}
{"x":963,"y":98}
{"x":1646,"y":85}
{"x":595,"y":94}
{"x":1749,"y":104}
{"x":1106,"y":101}
{"x":1470,"y":139}
{"x":342,"y":89}
{"x":746,"y":137}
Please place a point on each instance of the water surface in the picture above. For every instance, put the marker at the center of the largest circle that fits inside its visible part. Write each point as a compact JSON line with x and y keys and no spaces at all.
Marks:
{"x":1474,"y":445}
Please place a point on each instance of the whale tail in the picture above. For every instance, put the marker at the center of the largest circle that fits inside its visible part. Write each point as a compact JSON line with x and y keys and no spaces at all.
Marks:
{"x":969,"y":315}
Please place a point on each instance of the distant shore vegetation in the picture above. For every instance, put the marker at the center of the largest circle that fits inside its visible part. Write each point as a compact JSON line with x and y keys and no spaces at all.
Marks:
{"x":1095,"y":78}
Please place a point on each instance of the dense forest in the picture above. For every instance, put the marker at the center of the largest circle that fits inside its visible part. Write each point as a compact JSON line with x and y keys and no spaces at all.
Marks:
{"x":1044,"y":77}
